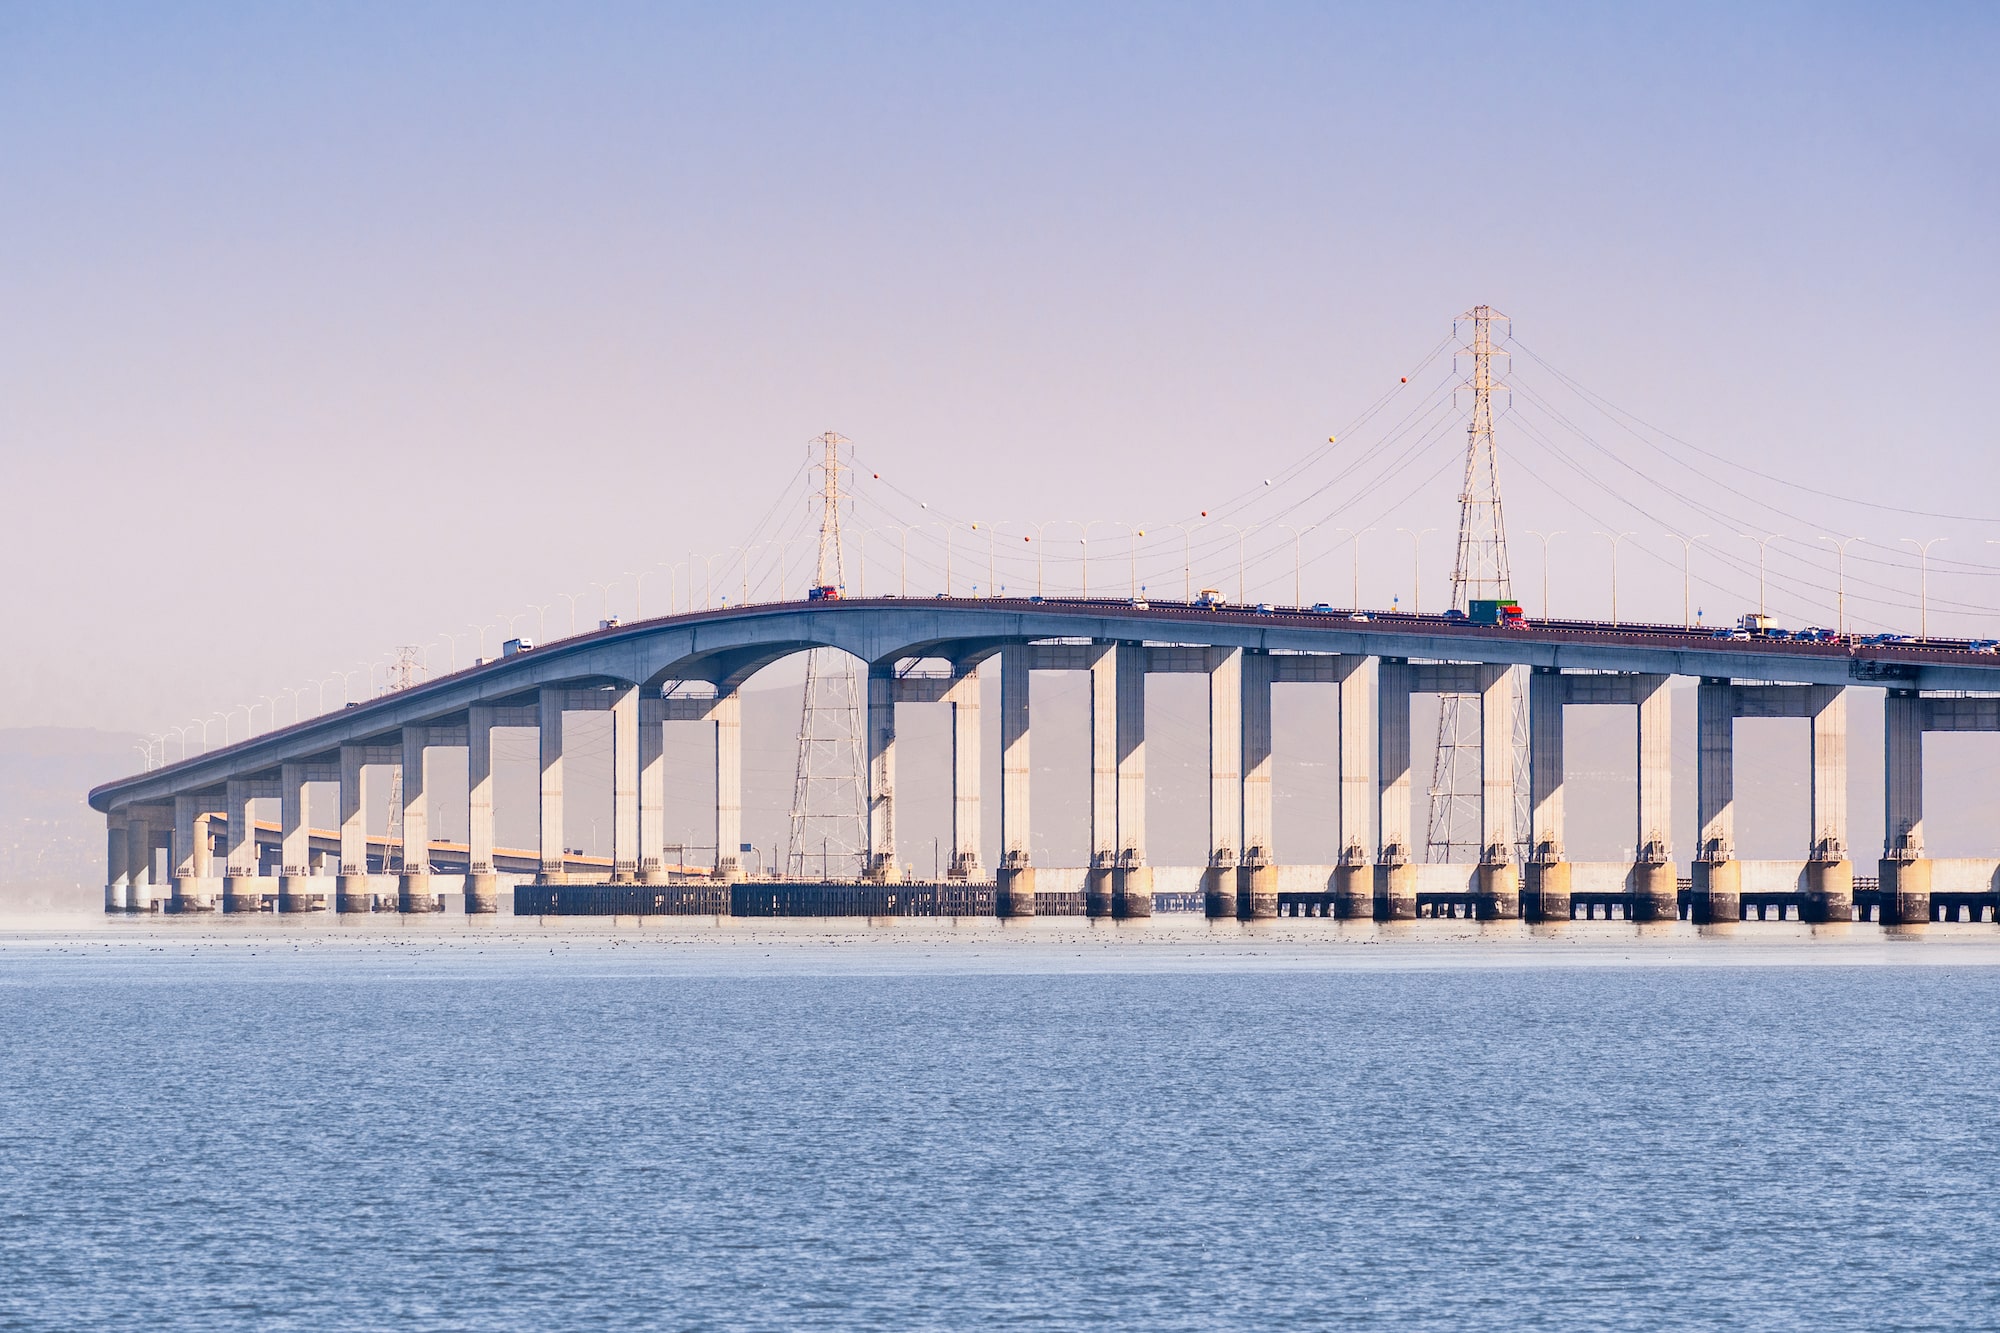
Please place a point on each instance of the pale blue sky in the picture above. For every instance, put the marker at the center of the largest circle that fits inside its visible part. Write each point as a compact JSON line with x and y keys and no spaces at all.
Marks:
{"x":334,"y":327}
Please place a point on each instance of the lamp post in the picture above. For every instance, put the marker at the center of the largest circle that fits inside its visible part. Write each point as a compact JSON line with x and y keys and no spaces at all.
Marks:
{"x":947,"y":526}
{"x":992,"y":553}
{"x":1242,"y":536}
{"x":541,"y":611}
{"x":1298,"y":561}
{"x":603,"y":600}
{"x":1762,"y":543}
{"x":1616,"y":539}
{"x":1687,"y":552}
{"x":638,"y":578}
{"x":1840,"y":581}
{"x":1133,"y":532}
{"x":1040,"y":528}
{"x":1356,"y":537}
{"x":1416,"y":567}
{"x":1083,"y":541}
{"x":1924,"y":603}
{"x":1187,"y":527}
{"x":1546,"y":537}
{"x":480,"y":630}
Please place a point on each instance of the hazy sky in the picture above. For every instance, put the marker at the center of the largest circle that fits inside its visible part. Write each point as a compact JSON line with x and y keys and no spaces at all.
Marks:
{"x":329,"y":328}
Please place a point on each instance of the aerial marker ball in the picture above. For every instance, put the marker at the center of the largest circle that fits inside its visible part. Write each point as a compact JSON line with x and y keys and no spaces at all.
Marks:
{"x":1406,"y":379}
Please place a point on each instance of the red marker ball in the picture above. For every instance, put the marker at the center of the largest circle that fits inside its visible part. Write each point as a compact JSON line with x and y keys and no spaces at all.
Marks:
{"x":1406,"y":380}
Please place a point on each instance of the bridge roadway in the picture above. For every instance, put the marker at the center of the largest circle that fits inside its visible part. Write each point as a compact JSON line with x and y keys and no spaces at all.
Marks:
{"x":691,"y":667}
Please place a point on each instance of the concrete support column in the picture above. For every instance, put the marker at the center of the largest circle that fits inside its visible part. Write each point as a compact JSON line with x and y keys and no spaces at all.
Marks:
{"x":1499,"y":880}
{"x":1655,"y":880}
{"x":1225,"y":781}
{"x":1098,"y":879}
{"x":1829,"y":872}
{"x":139,"y":828}
{"x":482,"y":885}
{"x":1395,"y":875}
{"x":243,"y":890}
{"x":625,"y":785}
{"x":1132,"y":885}
{"x":1257,"y":875}
{"x":1354,"y":877}
{"x":350,"y":891}
{"x":413,"y":890}
{"x":728,"y":715}
{"x":1718,"y":880}
{"x":295,"y":852}
{"x":882,"y":863}
{"x":963,"y":696}
{"x":652,"y":788}
{"x":1905,"y":870}
{"x":1547,"y":870}
{"x":554,"y":849}
{"x":1014,"y":891}
{"x":117,"y":867}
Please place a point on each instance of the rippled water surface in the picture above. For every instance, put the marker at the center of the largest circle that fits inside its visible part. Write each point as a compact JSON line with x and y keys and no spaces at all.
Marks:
{"x":518,"y":1140}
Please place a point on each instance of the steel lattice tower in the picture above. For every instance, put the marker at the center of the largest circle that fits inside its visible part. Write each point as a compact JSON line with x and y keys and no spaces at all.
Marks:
{"x":1481,"y":571}
{"x":829,"y":820}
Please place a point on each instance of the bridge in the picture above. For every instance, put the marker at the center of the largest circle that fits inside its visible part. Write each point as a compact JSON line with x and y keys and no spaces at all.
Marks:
{"x":692,"y":667}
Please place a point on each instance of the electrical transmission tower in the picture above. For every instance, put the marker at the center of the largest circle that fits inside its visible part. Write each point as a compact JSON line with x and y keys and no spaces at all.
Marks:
{"x":829,"y":832}
{"x":1480,"y":572}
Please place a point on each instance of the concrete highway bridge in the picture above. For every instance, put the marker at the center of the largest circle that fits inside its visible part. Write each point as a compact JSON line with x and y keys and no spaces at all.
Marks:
{"x":691,"y":667}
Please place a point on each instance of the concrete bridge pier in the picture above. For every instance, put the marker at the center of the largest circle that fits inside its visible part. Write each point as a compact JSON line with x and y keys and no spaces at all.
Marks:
{"x":1353,"y":876}
{"x":297,"y":889}
{"x":1395,"y":874}
{"x":413,"y":884}
{"x":192,"y":855}
{"x":1906,"y":868}
{"x":1132,"y":878}
{"x":482,"y":886}
{"x":1225,"y":782}
{"x":117,"y":881}
{"x":1499,"y":879}
{"x":1101,"y":663}
{"x":351,"y":890}
{"x":1256,"y":872}
{"x":243,"y":884}
{"x":1014,"y":880}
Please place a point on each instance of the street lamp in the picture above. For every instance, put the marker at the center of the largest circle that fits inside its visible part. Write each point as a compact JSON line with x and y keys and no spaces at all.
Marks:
{"x":1083,"y":540}
{"x":1242,"y":535}
{"x":603,"y":599}
{"x":1546,"y":537}
{"x":1762,"y":543}
{"x":1187,"y":527}
{"x":570,"y":598}
{"x":541,"y":620}
{"x":946,"y":524}
{"x":1356,"y":537}
{"x":481,"y":631}
{"x":1298,"y":566}
{"x":1416,"y":567}
{"x":1040,"y":528}
{"x":992,"y":554}
{"x":1615,"y":538}
{"x":1924,"y":612}
{"x":1840,"y":565}
{"x":1133,"y":533}
{"x":1687,"y":552}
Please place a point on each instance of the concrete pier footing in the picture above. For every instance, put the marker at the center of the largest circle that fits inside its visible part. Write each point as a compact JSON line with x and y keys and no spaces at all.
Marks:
{"x":1218,"y":893}
{"x":1256,"y":892}
{"x":299,"y":893}
{"x":1830,"y":891}
{"x":413,"y":893}
{"x":243,"y":893}
{"x":1655,"y":892}
{"x":1396,"y":892}
{"x":191,"y":895}
{"x":352,"y":893}
{"x":1906,"y":892}
{"x":1098,"y":887}
{"x":482,"y":893}
{"x":1354,"y":892}
{"x":1499,"y":893}
{"x":1132,"y":893}
{"x":1547,"y":891}
{"x":1014,"y":892}
{"x":1718,"y":893}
